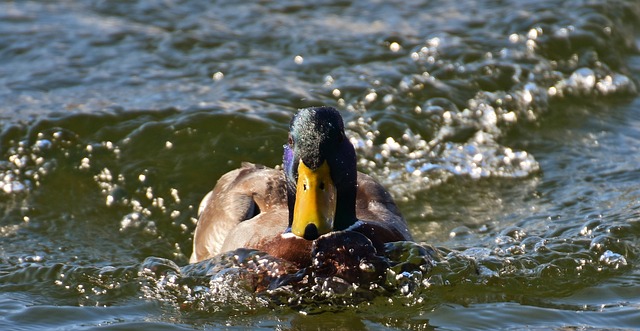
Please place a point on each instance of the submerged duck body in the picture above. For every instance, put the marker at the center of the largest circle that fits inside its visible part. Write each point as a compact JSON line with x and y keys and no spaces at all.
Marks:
{"x":318,"y":194}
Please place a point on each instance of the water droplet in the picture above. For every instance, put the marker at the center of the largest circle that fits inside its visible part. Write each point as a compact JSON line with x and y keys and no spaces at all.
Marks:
{"x":218,"y":76}
{"x":612,"y":259}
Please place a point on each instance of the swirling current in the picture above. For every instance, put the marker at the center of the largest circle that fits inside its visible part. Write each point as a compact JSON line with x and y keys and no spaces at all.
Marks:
{"x":506,"y":131}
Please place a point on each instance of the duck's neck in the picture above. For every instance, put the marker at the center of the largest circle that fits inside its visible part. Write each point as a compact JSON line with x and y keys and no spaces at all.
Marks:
{"x":345,"y":174}
{"x":346,"y":207}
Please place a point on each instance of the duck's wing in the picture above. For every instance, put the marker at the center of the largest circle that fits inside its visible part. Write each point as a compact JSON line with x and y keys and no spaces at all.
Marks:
{"x":240,"y":196}
{"x":375,"y":206}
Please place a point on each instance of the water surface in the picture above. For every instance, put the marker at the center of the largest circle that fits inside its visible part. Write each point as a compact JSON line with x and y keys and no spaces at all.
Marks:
{"x":507,"y":131}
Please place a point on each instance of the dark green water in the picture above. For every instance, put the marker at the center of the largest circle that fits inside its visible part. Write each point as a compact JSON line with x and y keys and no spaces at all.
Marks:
{"x":507,"y":131}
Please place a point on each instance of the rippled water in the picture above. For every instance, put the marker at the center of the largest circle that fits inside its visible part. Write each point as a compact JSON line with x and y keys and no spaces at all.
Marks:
{"x":507,"y":131}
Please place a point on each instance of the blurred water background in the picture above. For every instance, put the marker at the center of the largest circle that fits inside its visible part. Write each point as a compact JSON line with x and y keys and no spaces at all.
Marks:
{"x":507,"y":131}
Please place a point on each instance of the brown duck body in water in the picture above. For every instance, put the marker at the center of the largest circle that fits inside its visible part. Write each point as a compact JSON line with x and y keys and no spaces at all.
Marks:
{"x":319,"y":194}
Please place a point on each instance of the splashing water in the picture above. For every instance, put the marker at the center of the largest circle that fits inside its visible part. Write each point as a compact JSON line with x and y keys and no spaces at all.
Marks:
{"x":253,"y":279}
{"x":432,"y":125}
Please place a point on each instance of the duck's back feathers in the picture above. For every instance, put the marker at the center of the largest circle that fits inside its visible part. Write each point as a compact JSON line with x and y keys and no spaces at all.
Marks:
{"x":379,"y":217}
{"x":246,"y":203}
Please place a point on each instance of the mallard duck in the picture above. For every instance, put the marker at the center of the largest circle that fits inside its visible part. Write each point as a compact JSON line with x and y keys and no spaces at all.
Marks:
{"x":318,"y":192}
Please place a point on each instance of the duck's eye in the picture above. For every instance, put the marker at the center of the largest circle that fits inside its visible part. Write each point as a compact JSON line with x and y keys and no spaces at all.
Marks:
{"x":321,"y":186}
{"x":290,"y":140}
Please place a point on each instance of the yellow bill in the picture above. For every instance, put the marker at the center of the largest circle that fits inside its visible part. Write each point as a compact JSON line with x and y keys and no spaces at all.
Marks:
{"x":315,"y":202}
